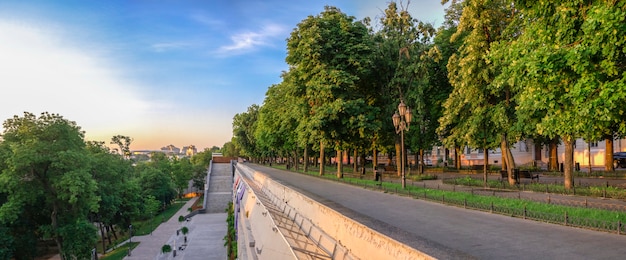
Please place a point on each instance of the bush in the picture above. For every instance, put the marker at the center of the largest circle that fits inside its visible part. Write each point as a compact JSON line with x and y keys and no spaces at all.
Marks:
{"x":166,"y":249}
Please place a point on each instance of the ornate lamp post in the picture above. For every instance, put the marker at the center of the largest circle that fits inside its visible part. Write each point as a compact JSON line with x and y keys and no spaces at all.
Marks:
{"x":402,"y":121}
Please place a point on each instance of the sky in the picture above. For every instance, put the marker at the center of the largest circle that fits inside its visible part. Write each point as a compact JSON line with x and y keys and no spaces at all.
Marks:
{"x":162,"y":72}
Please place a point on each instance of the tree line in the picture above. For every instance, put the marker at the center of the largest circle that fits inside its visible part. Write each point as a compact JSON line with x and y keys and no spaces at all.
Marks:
{"x":494,"y":73}
{"x":56,"y":187}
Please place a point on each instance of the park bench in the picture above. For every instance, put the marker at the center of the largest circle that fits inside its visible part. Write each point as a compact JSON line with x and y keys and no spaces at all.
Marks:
{"x":517,"y":174}
{"x":389,"y":169}
{"x":528,"y":175}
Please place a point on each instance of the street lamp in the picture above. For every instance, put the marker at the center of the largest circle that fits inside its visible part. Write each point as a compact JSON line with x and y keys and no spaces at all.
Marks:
{"x":402,"y":121}
{"x":130,"y":239}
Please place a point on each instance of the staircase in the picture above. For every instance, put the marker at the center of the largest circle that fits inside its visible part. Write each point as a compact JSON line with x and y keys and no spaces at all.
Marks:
{"x":220,"y":188}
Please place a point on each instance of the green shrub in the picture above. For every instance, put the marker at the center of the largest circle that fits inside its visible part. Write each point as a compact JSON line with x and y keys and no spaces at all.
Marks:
{"x":166,"y":249}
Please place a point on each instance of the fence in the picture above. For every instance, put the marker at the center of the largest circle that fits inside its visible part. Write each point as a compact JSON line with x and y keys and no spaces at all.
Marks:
{"x":562,"y":219}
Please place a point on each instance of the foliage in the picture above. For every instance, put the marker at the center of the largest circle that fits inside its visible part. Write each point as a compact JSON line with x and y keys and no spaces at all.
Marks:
{"x":47,"y":166}
{"x":230,"y":241}
{"x":244,"y":125}
{"x":567,"y":64}
{"x":145,"y":227}
{"x":329,"y":56}
{"x":166,"y":249}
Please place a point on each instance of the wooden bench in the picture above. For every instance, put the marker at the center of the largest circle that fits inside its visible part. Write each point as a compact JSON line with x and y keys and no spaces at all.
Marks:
{"x":517,"y":174}
{"x":528,"y":175}
{"x":390,"y":169}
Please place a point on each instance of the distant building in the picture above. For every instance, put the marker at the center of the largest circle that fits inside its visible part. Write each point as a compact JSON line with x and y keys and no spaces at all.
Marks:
{"x":170,"y":149}
{"x":190,"y":150}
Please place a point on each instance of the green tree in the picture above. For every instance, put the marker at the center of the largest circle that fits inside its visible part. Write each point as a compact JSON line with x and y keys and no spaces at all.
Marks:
{"x":568,"y":64}
{"x":476,"y":112}
{"x":119,"y":196}
{"x":329,"y":55}
{"x":182,"y":173}
{"x":203,"y":158}
{"x":441,"y":52}
{"x":123,"y":142}
{"x":229,"y":149}
{"x":157,"y":183}
{"x":244,"y":125}
{"x":47,"y":166}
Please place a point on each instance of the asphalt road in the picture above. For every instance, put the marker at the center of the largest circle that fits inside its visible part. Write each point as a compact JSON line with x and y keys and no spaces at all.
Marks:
{"x":448,"y":232}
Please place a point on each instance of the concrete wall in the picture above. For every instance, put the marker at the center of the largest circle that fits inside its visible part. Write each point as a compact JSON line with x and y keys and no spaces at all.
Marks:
{"x":257,"y":234}
{"x":361,"y":241}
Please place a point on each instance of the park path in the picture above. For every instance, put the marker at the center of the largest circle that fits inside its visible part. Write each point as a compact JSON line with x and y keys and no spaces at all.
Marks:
{"x":150,"y":245}
{"x":448,"y":232}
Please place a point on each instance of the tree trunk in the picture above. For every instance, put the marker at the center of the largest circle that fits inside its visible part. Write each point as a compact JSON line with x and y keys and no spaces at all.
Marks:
{"x":362,"y":162}
{"x":55,"y":229}
{"x":322,"y":158}
{"x":374,"y":159}
{"x":108,"y":234}
{"x":457,"y":157}
{"x":608,"y":154}
{"x":104,"y":248}
{"x":589,"y":157}
{"x":354,"y":161}
{"x":339,"y":164}
{"x":508,"y":159}
{"x":569,"y":162}
{"x":398,"y":156}
{"x":554,"y":156}
{"x":296,"y":159}
{"x":306,"y":159}
{"x":421,"y":168}
{"x":485,"y":165}
{"x":446,"y":156}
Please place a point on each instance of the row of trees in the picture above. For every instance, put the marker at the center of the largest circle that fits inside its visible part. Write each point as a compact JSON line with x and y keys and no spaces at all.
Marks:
{"x":494,"y":73}
{"x":54,"y":186}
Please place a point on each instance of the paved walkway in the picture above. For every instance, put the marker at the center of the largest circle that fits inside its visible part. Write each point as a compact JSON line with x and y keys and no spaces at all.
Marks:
{"x":448,"y":232}
{"x":150,"y":245}
{"x":206,"y":231}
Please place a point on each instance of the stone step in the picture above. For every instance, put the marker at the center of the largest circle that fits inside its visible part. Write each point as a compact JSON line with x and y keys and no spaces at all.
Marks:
{"x":218,"y":202}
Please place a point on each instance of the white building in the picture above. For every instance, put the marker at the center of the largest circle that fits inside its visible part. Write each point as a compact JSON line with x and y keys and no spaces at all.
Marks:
{"x":526,"y":153}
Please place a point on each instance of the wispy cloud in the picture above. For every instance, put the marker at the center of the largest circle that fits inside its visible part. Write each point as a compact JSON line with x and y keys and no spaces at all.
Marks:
{"x":206,"y":20}
{"x":249,"y":41}
{"x":167,"y":46}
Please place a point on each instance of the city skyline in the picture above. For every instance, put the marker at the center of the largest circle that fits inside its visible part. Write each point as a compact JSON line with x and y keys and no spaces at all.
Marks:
{"x":158,"y":72}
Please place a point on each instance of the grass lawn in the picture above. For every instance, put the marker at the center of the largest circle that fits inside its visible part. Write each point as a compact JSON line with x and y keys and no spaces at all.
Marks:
{"x":119,"y":253}
{"x":145,"y":227}
{"x":537,"y":210}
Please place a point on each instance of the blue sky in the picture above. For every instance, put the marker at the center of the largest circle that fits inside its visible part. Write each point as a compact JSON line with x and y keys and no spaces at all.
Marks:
{"x":162,"y":72}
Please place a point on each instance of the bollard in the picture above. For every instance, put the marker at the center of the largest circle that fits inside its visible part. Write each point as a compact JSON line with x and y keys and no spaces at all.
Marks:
{"x":524,"y":211}
{"x":565,"y":218}
{"x":619,"y":227}
{"x":491,"y":208}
